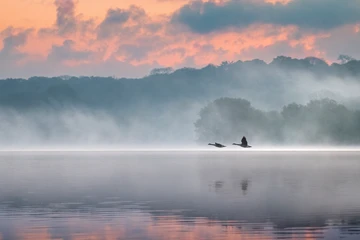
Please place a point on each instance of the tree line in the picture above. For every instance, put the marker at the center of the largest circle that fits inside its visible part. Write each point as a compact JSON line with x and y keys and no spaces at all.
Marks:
{"x":318,"y":122}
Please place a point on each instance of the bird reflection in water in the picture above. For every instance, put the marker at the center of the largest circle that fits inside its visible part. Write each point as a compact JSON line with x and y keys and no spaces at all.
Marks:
{"x":244,"y":185}
{"x":218,"y":185}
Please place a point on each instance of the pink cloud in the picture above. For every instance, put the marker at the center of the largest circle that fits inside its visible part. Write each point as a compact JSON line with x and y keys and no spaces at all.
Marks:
{"x":133,"y":39}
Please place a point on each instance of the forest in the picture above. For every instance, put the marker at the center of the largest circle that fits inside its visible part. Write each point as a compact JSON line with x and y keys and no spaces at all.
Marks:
{"x":161,"y":108}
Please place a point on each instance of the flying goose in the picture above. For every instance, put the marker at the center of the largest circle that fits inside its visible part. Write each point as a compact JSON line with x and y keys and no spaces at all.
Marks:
{"x":218,"y":145}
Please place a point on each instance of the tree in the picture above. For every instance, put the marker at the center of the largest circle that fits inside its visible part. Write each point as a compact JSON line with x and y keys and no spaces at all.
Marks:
{"x":345,"y":59}
{"x":157,"y":71}
{"x":228,"y":119}
{"x":318,"y":122}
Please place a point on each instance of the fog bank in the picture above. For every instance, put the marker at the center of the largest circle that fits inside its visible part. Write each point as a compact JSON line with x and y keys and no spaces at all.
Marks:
{"x":160,"y":109}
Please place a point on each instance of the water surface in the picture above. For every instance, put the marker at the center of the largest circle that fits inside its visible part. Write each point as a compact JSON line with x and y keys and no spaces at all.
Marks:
{"x":179,"y":195}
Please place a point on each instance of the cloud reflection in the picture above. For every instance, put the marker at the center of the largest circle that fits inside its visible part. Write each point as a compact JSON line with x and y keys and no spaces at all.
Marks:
{"x":136,"y":225}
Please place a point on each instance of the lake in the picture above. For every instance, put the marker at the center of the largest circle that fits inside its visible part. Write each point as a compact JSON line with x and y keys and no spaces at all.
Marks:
{"x":180,"y":195}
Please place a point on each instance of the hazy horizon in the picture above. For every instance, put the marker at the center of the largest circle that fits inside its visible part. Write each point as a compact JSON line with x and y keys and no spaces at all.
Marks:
{"x":164,"y":107}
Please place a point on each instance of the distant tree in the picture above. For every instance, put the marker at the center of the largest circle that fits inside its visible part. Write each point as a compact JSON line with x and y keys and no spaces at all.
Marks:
{"x":157,"y":71}
{"x":228,"y":119}
{"x":345,"y":59}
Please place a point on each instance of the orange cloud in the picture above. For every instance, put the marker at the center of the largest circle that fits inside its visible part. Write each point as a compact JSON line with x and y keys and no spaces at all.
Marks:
{"x":145,"y":38}
{"x":229,"y":46}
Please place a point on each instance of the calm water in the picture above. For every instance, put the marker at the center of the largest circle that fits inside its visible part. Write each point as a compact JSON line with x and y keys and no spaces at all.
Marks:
{"x":174,"y":195}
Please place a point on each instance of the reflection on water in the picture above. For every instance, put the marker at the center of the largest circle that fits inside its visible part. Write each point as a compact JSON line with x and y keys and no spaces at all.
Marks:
{"x":244,"y":185}
{"x":237,"y":195}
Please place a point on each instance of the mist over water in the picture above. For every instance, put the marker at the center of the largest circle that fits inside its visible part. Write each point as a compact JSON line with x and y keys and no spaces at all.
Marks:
{"x":174,"y":195}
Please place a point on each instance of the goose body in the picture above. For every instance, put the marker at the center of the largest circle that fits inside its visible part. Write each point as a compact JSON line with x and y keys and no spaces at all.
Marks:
{"x":218,"y":145}
{"x":242,"y":145}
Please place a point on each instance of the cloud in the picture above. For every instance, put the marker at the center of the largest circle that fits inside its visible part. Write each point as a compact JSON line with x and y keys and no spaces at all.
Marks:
{"x":65,"y":16}
{"x":67,"y":21}
{"x":205,"y":17}
{"x":67,"y":52}
{"x":115,"y":19}
{"x":231,"y":30}
{"x":12,"y":40}
{"x":134,"y":52}
{"x":343,"y":40}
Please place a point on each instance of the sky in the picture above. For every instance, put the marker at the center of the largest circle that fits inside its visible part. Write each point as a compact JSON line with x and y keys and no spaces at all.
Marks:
{"x":128,"y":38}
